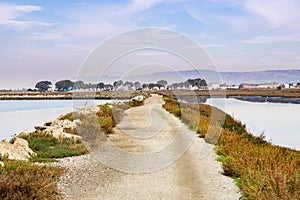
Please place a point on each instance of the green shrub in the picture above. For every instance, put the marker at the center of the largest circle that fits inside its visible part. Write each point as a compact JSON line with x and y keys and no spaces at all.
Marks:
{"x":48,"y":147}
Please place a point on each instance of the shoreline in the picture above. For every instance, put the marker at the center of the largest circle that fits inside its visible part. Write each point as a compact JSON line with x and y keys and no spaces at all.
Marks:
{"x":262,"y":99}
{"x":287,"y":94}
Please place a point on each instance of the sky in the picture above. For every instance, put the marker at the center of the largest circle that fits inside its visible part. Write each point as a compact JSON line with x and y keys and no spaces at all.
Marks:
{"x":50,"y":40}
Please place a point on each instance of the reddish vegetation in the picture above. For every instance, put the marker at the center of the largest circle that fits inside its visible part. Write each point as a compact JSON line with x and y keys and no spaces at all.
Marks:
{"x":261,"y":170}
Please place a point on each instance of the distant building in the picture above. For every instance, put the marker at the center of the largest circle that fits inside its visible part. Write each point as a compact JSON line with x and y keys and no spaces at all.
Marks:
{"x":213,"y":86}
{"x":233,"y":87}
{"x":259,"y":86}
{"x":248,"y":86}
{"x":269,"y":85}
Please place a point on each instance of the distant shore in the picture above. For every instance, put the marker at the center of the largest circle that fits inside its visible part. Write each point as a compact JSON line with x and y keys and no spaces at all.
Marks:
{"x":284,"y":96}
{"x":66,"y":95}
{"x":270,"y":99}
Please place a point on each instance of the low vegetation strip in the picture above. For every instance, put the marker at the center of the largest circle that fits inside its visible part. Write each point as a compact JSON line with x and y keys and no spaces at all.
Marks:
{"x":21,"y":180}
{"x":261,"y":170}
{"x":288,"y":93}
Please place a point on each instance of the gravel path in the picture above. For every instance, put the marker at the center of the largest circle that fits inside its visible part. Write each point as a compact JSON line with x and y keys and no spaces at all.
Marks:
{"x":152,"y":155}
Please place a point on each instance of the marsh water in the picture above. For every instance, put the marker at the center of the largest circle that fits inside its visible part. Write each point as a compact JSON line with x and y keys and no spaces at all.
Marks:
{"x":280,"y":122}
{"x":22,"y":115}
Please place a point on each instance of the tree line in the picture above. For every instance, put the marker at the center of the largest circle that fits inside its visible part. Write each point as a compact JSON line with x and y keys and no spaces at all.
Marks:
{"x":68,"y":85}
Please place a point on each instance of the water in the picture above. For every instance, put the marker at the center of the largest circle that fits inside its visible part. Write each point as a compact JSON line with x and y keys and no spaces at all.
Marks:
{"x":278,"y":121}
{"x":17,"y":116}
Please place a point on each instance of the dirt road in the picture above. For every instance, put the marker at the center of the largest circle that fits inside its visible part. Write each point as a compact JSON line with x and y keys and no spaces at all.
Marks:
{"x":152,"y":155}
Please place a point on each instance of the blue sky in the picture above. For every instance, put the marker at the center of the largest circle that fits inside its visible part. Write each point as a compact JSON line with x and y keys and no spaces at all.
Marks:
{"x":50,"y":39}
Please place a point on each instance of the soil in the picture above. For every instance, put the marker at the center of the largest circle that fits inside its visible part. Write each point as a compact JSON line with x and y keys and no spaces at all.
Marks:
{"x":151,"y":155}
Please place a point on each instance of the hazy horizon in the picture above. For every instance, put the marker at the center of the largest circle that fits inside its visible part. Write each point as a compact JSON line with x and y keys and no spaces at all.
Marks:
{"x":153,"y":77}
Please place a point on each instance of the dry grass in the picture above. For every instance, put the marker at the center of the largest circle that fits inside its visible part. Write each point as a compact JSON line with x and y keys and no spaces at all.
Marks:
{"x":15,"y":95}
{"x":295,"y":93}
{"x":261,"y":170}
{"x":106,"y":118}
{"x":22,"y":181}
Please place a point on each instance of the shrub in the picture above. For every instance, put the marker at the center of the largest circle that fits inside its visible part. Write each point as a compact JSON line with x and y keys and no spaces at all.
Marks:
{"x":135,"y":103}
{"x":172,"y":106}
{"x":48,"y":147}
{"x":106,"y":118}
{"x":21,"y":181}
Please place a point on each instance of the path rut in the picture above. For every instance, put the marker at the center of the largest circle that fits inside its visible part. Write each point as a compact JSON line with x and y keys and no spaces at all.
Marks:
{"x":151,"y":155}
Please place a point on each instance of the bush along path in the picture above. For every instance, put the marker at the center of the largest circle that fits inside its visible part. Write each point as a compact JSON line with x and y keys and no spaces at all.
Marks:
{"x":261,"y":170}
{"x":142,"y":130}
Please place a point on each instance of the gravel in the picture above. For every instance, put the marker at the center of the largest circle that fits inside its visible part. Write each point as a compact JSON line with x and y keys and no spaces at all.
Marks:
{"x":156,"y":158}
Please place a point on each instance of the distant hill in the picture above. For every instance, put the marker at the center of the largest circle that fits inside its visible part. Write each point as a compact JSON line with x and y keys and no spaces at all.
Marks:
{"x":280,"y":76}
{"x":268,"y":76}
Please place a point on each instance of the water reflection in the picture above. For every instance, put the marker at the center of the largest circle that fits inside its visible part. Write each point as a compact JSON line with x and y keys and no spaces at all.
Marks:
{"x":192,"y":99}
{"x":279,"y":121}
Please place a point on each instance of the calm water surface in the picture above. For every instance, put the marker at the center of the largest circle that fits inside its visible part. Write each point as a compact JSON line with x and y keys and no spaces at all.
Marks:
{"x":279,"y":121}
{"x":22,"y":115}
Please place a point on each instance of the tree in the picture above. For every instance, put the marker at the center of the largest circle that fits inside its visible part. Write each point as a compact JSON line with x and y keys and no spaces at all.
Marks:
{"x":175,"y":86}
{"x":108,"y":87}
{"x":162,"y":82}
{"x":145,"y":86}
{"x":137,"y":85}
{"x":128,"y":84}
{"x":64,"y":85}
{"x":100,"y":85}
{"x":43,"y":86}
{"x":118,"y":84}
{"x":151,"y":85}
{"x":80,"y":85}
{"x":203,"y":83}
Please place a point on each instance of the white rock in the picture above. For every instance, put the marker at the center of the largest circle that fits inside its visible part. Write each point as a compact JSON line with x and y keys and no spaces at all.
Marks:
{"x":57,"y":128}
{"x":58,"y":132}
{"x":2,"y":164}
{"x":19,"y":150}
{"x":138,"y":98}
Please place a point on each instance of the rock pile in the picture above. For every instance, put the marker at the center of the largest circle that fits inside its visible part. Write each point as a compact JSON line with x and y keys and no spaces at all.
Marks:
{"x":18,"y":150}
{"x":138,"y":98}
{"x":60,"y":128}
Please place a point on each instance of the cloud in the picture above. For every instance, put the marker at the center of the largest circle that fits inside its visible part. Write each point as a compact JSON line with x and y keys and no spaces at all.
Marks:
{"x":249,"y":15}
{"x":49,"y":35}
{"x":143,"y":5}
{"x":272,"y":39}
{"x":275,"y":13}
{"x":283,"y":53}
{"x":100,"y":21}
{"x":195,"y":15}
{"x":10,"y":14}
{"x":212,"y":45}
